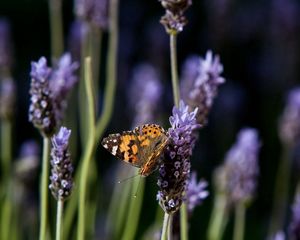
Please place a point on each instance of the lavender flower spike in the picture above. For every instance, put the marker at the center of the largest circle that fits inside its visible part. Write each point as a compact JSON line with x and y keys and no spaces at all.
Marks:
{"x":63,"y":78}
{"x":62,"y":81}
{"x":145,"y":93}
{"x":289,"y":124}
{"x":200,"y":82}
{"x":195,"y":192}
{"x":241,"y":166}
{"x":42,"y":109}
{"x":174,"y":172}
{"x":62,"y":168}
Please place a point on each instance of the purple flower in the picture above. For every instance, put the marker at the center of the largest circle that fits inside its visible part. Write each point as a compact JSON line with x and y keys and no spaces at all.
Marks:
{"x":289,"y":125}
{"x":241,"y":166}
{"x":5,"y":45}
{"x":196,"y":192}
{"x":174,"y":172}
{"x":63,"y":77}
{"x":77,"y":33}
{"x":49,"y":91}
{"x":144,"y":94}
{"x":200,"y":82}
{"x":93,"y":11}
{"x":61,"y":166}
{"x":7,"y":98}
{"x":41,"y":110}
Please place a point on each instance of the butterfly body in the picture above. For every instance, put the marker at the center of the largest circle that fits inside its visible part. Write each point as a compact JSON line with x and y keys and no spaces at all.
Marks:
{"x":141,"y":147}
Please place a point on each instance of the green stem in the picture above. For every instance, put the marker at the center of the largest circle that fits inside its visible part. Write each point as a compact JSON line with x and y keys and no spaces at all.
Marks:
{"x":165,"y":228}
{"x":56,"y":25}
{"x":6,"y":216}
{"x":108,"y":99}
{"x":89,"y":150}
{"x":59,"y":214}
{"x":85,"y":52}
{"x":183,"y":222}
{"x":96,"y":57}
{"x":110,"y":88}
{"x":44,"y":189}
{"x":239,"y":221}
{"x":281,"y":192}
{"x":170,"y":226}
{"x":134,"y":208}
{"x":6,"y":149}
{"x":174,"y":71}
{"x":219,"y":218}
{"x":117,"y":208}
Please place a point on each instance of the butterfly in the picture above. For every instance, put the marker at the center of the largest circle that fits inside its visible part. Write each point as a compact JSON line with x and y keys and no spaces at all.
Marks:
{"x":141,"y":147}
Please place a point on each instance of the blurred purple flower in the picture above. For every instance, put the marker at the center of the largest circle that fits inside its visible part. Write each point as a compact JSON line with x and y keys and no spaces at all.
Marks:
{"x":174,"y":172}
{"x":93,"y":11}
{"x":144,"y":94}
{"x":200,"y":82}
{"x":7,"y":98}
{"x":289,"y":124}
{"x":241,"y":166}
{"x":63,"y":77}
{"x":41,"y":110}
{"x":61,"y":166}
{"x":5,"y":45}
{"x":28,"y":161}
{"x":278,"y":236}
{"x":196,"y":192}
{"x":77,"y":33}
{"x":294,"y":228}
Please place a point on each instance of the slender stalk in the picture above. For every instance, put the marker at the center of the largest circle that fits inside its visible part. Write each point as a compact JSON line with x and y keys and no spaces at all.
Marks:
{"x":89,"y":150}
{"x":108,"y":98}
{"x":165,"y":228}
{"x":6,"y":149}
{"x":174,"y":71}
{"x":6,"y":216}
{"x":117,"y":208}
{"x":170,"y":227}
{"x":96,"y":56}
{"x":134,"y":208}
{"x":239,"y":221}
{"x":111,"y":69}
{"x":281,"y":192}
{"x":55,"y":14}
{"x":85,"y":52}
{"x":219,"y":218}
{"x":44,"y":188}
{"x":183,"y":222}
{"x":59,"y":214}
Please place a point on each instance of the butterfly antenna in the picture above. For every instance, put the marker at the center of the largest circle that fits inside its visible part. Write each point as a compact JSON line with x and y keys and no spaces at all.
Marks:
{"x":137,"y":189}
{"x":126,"y":179}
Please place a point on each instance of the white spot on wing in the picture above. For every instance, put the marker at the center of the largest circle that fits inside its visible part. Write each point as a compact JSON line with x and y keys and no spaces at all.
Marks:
{"x":105,"y":145}
{"x":114,"y":150}
{"x":115,"y":140}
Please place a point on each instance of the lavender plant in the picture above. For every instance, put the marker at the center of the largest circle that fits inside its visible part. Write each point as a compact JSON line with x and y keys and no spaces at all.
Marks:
{"x":49,"y":90}
{"x":238,"y":176}
{"x":289,"y":132}
{"x":61,"y":174}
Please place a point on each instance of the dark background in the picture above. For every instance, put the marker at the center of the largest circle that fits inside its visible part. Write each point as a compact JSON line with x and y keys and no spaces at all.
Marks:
{"x":258,"y":42}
